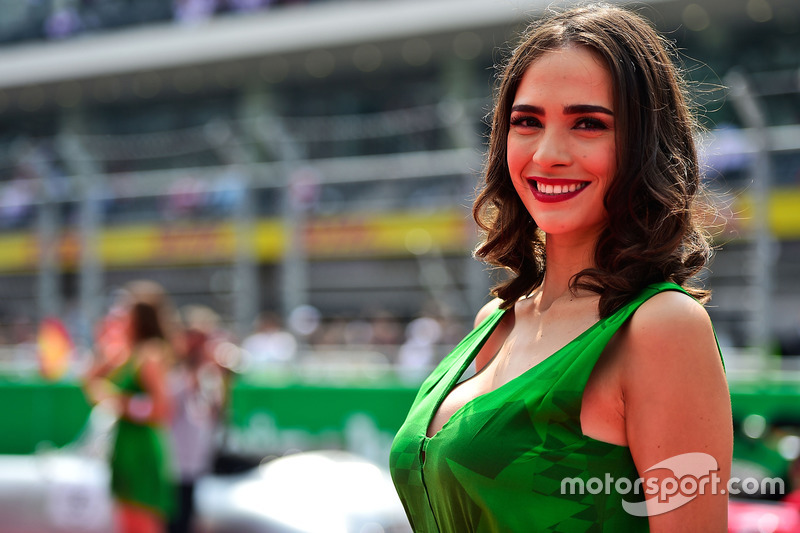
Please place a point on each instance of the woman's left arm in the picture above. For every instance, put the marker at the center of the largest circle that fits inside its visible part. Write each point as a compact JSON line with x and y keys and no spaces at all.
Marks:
{"x":678,"y":413}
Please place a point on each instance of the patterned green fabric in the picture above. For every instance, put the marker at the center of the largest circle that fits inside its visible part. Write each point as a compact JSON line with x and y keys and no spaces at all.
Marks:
{"x":497,"y":465}
{"x":141,"y":467}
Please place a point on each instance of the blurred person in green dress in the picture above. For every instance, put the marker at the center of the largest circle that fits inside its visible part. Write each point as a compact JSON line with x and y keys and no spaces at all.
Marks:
{"x":133,"y":382}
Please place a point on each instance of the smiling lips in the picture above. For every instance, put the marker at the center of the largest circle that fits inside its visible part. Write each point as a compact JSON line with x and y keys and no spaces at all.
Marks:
{"x":555,"y":190}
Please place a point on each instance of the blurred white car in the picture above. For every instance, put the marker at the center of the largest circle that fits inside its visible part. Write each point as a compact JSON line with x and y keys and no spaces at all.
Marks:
{"x":61,"y":490}
{"x":54,"y":493}
{"x":309,"y":492}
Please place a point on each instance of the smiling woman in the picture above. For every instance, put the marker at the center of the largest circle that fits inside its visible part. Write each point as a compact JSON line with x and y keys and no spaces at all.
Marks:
{"x":596,"y":359}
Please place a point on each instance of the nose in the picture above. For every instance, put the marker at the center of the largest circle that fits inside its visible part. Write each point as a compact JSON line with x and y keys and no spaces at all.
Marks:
{"x":551,"y":149}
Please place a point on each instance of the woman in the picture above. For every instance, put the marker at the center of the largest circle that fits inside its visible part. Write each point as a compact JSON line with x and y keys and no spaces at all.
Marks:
{"x":596,"y":363}
{"x":134,"y":383}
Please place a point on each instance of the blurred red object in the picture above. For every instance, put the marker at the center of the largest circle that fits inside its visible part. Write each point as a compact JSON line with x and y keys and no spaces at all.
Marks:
{"x":112,"y":338}
{"x":762,"y":517}
{"x":55,"y":348}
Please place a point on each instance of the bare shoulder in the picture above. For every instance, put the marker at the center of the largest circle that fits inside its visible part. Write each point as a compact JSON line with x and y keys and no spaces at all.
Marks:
{"x":671,"y":329}
{"x":487,"y":310}
{"x":670,"y":317}
{"x":668,"y":335}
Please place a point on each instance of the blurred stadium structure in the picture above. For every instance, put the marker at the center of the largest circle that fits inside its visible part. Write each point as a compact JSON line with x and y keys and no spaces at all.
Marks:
{"x":266,"y":154}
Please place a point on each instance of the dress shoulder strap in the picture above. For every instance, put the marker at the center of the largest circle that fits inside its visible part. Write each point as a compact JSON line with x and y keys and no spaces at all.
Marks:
{"x":590,"y":345}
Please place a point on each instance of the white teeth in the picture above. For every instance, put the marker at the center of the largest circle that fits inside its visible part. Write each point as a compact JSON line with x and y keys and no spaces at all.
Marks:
{"x":559,"y":189}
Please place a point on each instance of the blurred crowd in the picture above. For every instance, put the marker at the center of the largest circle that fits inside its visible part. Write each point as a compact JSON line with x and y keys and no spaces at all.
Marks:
{"x":34,"y":170}
{"x":25,"y":20}
{"x":407,"y":344}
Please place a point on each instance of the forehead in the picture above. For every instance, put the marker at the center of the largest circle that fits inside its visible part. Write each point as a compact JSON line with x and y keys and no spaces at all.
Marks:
{"x":572,"y":75}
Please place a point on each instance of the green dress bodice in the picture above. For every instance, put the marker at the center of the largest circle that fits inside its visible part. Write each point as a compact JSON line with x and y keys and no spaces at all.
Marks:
{"x":499,"y":463}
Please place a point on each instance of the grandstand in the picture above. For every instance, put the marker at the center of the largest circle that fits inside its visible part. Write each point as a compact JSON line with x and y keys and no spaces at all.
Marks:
{"x":265,"y":154}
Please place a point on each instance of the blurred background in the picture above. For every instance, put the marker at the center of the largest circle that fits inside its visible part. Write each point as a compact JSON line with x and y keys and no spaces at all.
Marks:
{"x":298,"y":176}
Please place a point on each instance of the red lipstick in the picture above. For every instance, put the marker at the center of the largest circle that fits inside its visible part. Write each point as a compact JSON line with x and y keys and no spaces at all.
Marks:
{"x":559,"y":197}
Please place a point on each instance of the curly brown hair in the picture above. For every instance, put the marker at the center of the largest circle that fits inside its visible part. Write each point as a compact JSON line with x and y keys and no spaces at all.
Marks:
{"x":653,"y":232}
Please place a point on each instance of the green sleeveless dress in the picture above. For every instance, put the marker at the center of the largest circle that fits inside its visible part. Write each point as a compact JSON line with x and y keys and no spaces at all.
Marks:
{"x":141,"y":462}
{"x":498,"y":464}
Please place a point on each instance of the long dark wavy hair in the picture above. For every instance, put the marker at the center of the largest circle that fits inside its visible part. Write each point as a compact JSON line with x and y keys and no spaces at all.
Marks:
{"x":149,"y":311}
{"x":145,"y":323}
{"x":654,"y":230}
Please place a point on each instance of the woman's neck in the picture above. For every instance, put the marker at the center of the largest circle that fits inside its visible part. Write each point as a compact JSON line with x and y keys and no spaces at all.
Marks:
{"x":565,"y":258}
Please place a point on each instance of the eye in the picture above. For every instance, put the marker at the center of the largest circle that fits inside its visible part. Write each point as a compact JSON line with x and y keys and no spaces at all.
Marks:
{"x":591,"y":124}
{"x":525,"y":121}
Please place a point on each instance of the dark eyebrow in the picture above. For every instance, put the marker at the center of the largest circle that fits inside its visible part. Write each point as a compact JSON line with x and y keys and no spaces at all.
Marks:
{"x":525,"y":108}
{"x":577,"y":109}
{"x":581,"y":109}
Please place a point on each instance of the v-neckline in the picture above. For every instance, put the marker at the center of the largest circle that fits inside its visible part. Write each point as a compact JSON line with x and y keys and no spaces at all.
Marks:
{"x":454,"y":381}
